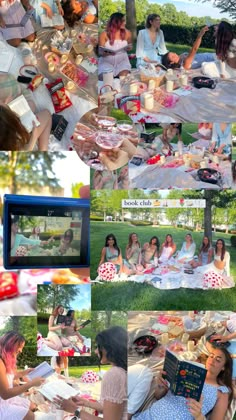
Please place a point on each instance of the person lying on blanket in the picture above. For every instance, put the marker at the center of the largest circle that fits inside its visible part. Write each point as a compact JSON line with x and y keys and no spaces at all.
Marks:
{"x":191,"y":60}
{"x":216,"y":396}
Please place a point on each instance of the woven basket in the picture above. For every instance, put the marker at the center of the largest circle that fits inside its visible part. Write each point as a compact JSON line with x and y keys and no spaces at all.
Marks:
{"x":159,"y":80}
{"x":197,"y":333}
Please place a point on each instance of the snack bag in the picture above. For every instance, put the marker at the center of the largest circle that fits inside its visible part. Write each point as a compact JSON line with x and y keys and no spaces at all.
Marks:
{"x":130,"y":104}
{"x":59,"y":98}
{"x":8,"y":285}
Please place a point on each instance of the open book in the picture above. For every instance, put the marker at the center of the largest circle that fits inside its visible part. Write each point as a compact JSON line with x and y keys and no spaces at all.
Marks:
{"x":21,"y":107}
{"x":63,"y":319}
{"x":53,"y":388}
{"x":102,"y":50}
{"x":6,"y":58}
{"x":56,"y":20}
{"x":186,"y":378}
{"x":43,"y":370}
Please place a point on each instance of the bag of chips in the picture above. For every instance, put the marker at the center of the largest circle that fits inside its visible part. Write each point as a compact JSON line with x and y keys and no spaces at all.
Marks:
{"x":8,"y":285}
{"x":59,"y":98}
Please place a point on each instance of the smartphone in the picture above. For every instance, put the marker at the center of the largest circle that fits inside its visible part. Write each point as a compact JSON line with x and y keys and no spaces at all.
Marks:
{"x":136,"y":160}
{"x":24,"y":79}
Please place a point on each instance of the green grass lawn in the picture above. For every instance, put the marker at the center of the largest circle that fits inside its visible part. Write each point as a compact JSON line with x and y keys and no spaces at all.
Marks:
{"x":132,"y":296}
{"x":77,"y":371}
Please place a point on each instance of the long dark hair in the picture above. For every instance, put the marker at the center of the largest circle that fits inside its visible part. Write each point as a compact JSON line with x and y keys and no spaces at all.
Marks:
{"x":204,"y":247}
{"x":224,"y":37}
{"x":150,"y":18}
{"x":114,"y":25}
{"x":70,"y":312}
{"x":157,"y":242}
{"x":130,"y":240}
{"x":234,"y":171}
{"x":168,"y":64}
{"x":223,"y":248}
{"x":69,"y":232}
{"x":115,"y":242}
{"x":178,"y":127}
{"x":114,"y":341}
{"x":225,"y":376}
{"x":13,"y":135}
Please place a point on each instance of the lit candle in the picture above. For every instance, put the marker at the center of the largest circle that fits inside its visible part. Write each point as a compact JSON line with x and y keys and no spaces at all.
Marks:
{"x":151,"y":84}
{"x":78,"y":59}
{"x":73,"y":33}
{"x":133,"y":89}
{"x":184,"y":80}
{"x":177,"y":154}
{"x":51,"y":67}
{"x":190,"y":345}
{"x":89,"y":48}
{"x":202,"y":164}
{"x":162,"y":159}
{"x":185,"y":338}
{"x":70,"y":85}
{"x":66,"y":34}
{"x":64,"y":58}
{"x":148,"y":101}
{"x":170,"y":72}
{"x":169,"y":85}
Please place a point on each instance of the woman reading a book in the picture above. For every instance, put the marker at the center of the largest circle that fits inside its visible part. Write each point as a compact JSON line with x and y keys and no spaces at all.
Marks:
{"x":55,"y":339}
{"x":150,"y":43}
{"x":115,"y":41}
{"x":13,"y":135}
{"x":12,"y":405}
{"x":111,"y":349}
{"x":216,"y":396}
{"x":11,"y":13}
{"x":50,"y":9}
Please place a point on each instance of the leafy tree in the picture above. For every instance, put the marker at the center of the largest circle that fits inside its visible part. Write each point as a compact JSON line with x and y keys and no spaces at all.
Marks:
{"x":225,"y":6}
{"x":32,"y":170}
{"x":49,"y":296}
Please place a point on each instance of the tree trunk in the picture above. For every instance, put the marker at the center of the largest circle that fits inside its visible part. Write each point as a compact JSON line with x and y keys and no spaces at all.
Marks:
{"x":108,"y":319}
{"x":208,"y":214}
{"x":131,"y":18}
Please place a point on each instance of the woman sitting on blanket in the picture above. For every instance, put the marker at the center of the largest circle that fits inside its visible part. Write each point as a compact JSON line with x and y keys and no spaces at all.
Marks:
{"x":71,"y":332}
{"x":112,"y":253}
{"x":226,"y":49}
{"x":111,"y":349}
{"x":116,"y":37}
{"x":221,"y":141}
{"x":12,"y":404}
{"x":150,"y":250}
{"x":150,"y":42}
{"x":168,"y":249}
{"x":216,"y":396}
{"x":13,"y":135}
{"x":11,"y":13}
{"x":187,"y":251}
{"x":205,"y":254}
{"x":220,"y":264}
{"x":162,"y":143}
{"x":191,"y":60}
{"x":54,"y":339}
{"x":47,"y":8}
{"x":132,"y":252}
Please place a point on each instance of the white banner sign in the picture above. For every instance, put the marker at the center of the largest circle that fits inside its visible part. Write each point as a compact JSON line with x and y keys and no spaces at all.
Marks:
{"x":162,"y":203}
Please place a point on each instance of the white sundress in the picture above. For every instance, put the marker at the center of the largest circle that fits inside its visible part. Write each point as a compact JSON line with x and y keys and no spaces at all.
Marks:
{"x":14,"y":408}
{"x":118,"y":62}
{"x":12,"y":13}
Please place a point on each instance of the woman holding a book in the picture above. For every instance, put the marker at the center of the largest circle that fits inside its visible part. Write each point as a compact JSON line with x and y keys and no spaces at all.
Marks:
{"x":71,"y":331}
{"x":114,"y":43}
{"x":216,"y":395}
{"x":12,"y":405}
{"x":150,"y":43}
{"x":111,"y":349}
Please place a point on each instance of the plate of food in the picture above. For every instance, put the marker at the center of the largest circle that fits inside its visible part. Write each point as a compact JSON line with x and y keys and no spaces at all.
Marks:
{"x":52,"y":57}
{"x":209,"y":175}
{"x":75,"y":74}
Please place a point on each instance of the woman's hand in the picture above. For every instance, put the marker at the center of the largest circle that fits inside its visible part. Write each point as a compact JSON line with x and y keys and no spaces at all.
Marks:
{"x":203,"y":31}
{"x":67,"y":405}
{"x":49,"y":12}
{"x":60,"y":10}
{"x":195,"y":408}
{"x":82,"y":402}
{"x":37,"y":381}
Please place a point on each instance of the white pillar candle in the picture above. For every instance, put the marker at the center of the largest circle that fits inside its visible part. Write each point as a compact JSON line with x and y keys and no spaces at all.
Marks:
{"x":108,"y":78}
{"x":184,"y":80}
{"x":73,"y":33}
{"x":190,"y":345}
{"x":51,"y":67}
{"x":64,"y":58}
{"x":151,"y":84}
{"x":206,"y":160}
{"x":89,"y":48}
{"x":78,"y":59}
{"x":169,"y":85}
{"x":162,"y":159}
{"x":169,"y":72}
{"x":164,"y":338}
{"x":70,"y":85}
{"x":187,"y":162}
{"x":202,"y":164}
{"x":215,"y":159}
{"x":177,"y":154}
{"x":133,"y":88}
{"x":148,"y":101}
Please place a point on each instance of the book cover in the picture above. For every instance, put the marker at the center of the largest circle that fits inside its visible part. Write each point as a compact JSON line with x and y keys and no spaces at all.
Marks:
{"x":186,"y":378}
{"x":44,"y":370}
{"x":112,"y":51}
{"x":63,"y":319}
{"x":85,"y":323}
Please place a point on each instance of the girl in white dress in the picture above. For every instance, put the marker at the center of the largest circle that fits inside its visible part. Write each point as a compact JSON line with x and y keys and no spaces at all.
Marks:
{"x":118,"y":39}
{"x":220,"y":263}
{"x":12,"y":406}
{"x":168,"y":249}
{"x":187,"y":251}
